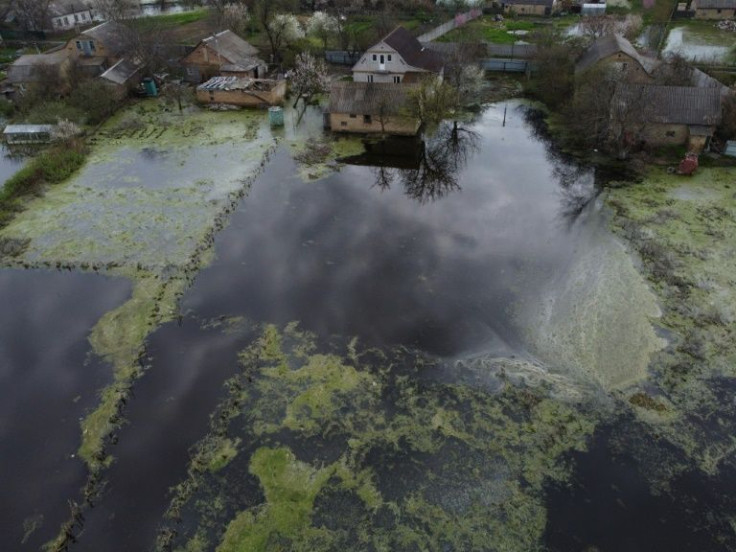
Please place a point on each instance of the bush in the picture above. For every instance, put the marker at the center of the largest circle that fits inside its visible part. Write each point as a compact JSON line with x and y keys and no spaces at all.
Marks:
{"x":52,"y":166}
{"x":48,"y":113}
{"x":95,"y":99}
{"x":6,"y":108}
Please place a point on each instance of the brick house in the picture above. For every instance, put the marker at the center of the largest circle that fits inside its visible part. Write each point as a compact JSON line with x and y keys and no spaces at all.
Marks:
{"x":224,"y":53}
{"x":615,"y":52}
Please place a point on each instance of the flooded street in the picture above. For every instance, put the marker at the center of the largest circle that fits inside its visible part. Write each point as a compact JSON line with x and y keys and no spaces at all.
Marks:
{"x":437,"y":350}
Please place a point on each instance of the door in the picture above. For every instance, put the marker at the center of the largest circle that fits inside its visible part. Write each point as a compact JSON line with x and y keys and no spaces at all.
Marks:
{"x":382,"y":63}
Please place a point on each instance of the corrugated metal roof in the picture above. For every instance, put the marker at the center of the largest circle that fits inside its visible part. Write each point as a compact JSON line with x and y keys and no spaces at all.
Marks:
{"x":730,"y":148}
{"x":121,"y":72}
{"x":367,"y":98}
{"x":686,"y":105}
{"x":237,"y":83}
{"x":604,"y":47}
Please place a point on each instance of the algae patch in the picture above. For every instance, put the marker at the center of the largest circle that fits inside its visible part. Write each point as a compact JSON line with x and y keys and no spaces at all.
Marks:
{"x":684,"y":231}
{"x":346,"y":447}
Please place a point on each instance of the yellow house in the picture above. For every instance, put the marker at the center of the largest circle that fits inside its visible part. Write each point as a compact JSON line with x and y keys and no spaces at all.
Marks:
{"x":371,"y":108}
{"x":714,"y":9}
{"x":615,"y":52}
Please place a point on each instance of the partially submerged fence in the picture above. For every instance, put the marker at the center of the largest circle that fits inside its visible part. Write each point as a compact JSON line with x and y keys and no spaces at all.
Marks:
{"x":342,"y":57}
{"x":458,"y":21}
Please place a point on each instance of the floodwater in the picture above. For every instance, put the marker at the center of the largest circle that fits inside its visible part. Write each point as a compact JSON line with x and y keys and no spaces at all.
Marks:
{"x":435,"y":253}
{"x":48,"y":379}
{"x":704,"y":45}
{"x":468,"y":317}
{"x":10,"y":163}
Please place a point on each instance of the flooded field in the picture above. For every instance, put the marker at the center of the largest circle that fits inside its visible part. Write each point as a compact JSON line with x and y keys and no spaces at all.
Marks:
{"x":446,"y":349}
{"x":701,"y":43}
{"x":10,"y":163}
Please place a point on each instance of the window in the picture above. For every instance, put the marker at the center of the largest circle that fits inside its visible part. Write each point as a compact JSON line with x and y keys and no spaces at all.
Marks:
{"x":353,"y":115}
{"x":343,"y":123}
{"x":370,"y":78}
{"x":382,"y":60}
{"x":66,"y":20}
{"x":76,"y":18}
{"x":79,"y":45}
{"x":375,"y":57}
{"x":389,"y":57}
{"x":624,"y":66}
{"x":397,"y":80}
{"x":670,"y":134}
{"x":367,"y":120}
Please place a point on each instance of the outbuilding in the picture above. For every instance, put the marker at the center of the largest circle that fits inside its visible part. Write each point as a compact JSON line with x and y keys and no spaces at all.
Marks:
{"x":28,"y":134}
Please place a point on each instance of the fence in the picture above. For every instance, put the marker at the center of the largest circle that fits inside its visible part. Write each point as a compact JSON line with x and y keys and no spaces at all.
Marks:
{"x":459,"y":20}
{"x":342,"y":57}
{"x":506,"y":65}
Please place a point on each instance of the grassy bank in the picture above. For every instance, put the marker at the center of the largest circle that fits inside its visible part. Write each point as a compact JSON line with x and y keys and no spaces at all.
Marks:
{"x":50,"y":167}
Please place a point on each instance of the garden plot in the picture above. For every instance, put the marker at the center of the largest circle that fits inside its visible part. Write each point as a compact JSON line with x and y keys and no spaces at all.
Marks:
{"x":148,"y":196}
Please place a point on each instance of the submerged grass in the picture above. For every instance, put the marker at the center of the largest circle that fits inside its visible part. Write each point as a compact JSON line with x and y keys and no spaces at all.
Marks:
{"x":684,"y":230}
{"x":357,"y":451}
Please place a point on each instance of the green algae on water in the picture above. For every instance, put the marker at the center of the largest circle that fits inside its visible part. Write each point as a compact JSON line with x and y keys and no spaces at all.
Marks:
{"x":356,"y":448}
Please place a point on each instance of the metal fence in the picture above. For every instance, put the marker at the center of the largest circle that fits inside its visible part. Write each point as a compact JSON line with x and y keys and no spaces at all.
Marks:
{"x":506,"y":65}
{"x":342,"y":57}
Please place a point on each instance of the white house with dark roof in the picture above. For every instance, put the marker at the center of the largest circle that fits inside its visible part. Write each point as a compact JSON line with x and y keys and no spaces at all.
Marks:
{"x":68,"y":14}
{"x":714,"y":9}
{"x":399,"y":57}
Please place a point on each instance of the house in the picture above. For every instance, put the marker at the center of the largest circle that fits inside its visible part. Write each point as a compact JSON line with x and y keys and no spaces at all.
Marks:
{"x":714,"y":9}
{"x":32,"y":68}
{"x":668,"y":115}
{"x":224,"y":53}
{"x":68,"y":14}
{"x":397,"y":58}
{"x":368,"y":107}
{"x":529,"y":7}
{"x":615,"y":52}
{"x":241,"y":91}
{"x":122,"y":77}
{"x":107,"y":41}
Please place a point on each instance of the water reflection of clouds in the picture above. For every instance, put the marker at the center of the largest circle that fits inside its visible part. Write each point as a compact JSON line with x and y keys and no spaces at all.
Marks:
{"x":44,"y":323}
{"x":347,"y":258}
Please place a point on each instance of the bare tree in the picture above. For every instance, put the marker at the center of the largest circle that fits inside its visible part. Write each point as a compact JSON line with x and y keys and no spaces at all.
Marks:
{"x":32,"y":14}
{"x":115,"y":10}
{"x":629,"y":118}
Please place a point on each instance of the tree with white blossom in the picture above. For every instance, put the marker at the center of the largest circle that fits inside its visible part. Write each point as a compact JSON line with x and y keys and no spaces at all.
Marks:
{"x":322,"y":25}
{"x":309,"y":78}
{"x":282,"y":30}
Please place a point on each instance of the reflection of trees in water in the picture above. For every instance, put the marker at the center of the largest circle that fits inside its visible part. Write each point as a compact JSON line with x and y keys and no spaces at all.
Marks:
{"x":577,"y":181}
{"x":441,"y":159}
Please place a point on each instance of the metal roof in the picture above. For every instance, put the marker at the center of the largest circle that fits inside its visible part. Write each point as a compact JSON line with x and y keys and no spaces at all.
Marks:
{"x":121,"y":72}
{"x":233,"y":49}
{"x":27,"y":129}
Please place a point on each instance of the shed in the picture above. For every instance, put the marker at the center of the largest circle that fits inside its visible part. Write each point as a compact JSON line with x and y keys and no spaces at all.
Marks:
{"x":364,"y":107}
{"x":28,"y":134}
{"x":122,"y":77}
{"x":593,"y":9}
{"x":242,"y":91}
